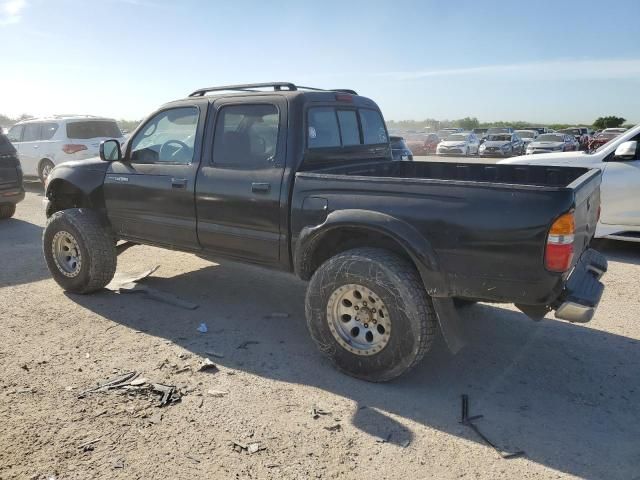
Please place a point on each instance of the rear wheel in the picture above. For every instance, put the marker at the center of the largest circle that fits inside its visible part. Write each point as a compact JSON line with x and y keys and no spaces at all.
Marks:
{"x":79,"y":251}
{"x":45,"y":169}
{"x":7,"y":211}
{"x":368,"y":311}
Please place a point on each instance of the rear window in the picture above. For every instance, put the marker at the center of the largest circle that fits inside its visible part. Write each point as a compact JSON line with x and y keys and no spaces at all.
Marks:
{"x":329,"y":127}
{"x":93,"y":129}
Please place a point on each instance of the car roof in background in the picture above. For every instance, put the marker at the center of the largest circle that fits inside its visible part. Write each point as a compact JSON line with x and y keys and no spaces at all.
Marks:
{"x":64,"y":118}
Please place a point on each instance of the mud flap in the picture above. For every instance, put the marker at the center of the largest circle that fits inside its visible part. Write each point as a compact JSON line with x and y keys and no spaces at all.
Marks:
{"x":449,"y":323}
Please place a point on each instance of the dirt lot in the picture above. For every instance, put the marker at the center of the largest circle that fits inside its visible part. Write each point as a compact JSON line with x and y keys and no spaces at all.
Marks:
{"x":568,"y":395}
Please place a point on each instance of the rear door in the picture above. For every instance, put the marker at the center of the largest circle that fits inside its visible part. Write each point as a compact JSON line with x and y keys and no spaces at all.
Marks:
{"x":150,"y":194}
{"x":238,"y":195}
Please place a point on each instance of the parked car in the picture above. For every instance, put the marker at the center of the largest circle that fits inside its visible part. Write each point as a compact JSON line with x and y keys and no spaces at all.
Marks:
{"x":494,"y":130}
{"x":44,"y":143}
{"x":423,"y":143}
{"x":11,"y":189}
{"x":540,"y":130}
{"x":481,"y":133}
{"x":459,"y":144}
{"x":502,"y":145}
{"x":303,"y":181}
{"x":552,"y":142}
{"x":527,"y":136}
{"x":600,"y":139}
{"x":580,"y":135}
{"x":619,"y":161}
{"x":399,"y":149}
{"x":615,"y":130}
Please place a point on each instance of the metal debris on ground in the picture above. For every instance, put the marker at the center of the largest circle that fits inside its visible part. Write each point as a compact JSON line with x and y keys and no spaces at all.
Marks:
{"x":250,"y":448}
{"x":88,"y":446}
{"x":125,"y":384}
{"x":334,"y":428}
{"x":246,"y":343}
{"x":202,"y":328}
{"x":129,"y":283}
{"x":466,"y":420}
{"x":211,"y":353}
{"x":217,"y":393}
{"x":317,"y":412}
{"x":383,"y":439}
{"x":118,"y":463}
{"x":207,"y":364}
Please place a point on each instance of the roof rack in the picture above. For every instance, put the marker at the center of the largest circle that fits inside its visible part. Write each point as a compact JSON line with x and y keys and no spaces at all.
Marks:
{"x":277,"y":87}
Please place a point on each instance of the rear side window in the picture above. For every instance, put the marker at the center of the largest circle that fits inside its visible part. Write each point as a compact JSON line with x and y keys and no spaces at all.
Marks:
{"x":246,"y":136}
{"x":31,"y":132}
{"x":349,"y":127}
{"x":323,"y":128}
{"x":93,"y":129}
{"x":48,"y":130}
{"x":373,"y":129}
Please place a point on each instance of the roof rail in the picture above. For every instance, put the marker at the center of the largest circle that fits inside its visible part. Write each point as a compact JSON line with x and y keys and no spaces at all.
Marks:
{"x":277,"y":87}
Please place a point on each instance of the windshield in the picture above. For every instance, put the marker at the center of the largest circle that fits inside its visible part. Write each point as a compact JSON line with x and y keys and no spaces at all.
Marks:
{"x":525,"y":133}
{"x":550,"y":138}
{"x":499,"y":138}
{"x":456,"y":137}
{"x":606,"y":136}
{"x":571,"y":131}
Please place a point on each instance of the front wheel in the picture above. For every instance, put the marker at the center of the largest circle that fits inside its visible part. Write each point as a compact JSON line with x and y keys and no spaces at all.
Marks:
{"x":368,"y":311}
{"x":79,"y":250}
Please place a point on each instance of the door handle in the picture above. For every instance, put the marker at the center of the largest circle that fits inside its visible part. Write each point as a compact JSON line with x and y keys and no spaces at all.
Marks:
{"x":35,"y":146}
{"x":178,"y":183}
{"x":258,"y":187}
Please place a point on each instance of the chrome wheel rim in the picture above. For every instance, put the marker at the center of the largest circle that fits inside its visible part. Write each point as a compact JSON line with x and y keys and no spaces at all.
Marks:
{"x":46,"y":170}
{"x":66,"y":254}
{"x":358,"y":319}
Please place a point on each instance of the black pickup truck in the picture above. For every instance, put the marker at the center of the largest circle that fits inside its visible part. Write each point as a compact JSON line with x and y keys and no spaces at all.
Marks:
{"x":302,"y":180}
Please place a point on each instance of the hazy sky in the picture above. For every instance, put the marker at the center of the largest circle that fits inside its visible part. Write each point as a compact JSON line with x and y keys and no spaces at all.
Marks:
{"x":543,"y":61}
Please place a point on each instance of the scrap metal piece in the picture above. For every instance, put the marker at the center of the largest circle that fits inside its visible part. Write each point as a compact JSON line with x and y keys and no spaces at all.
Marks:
{"x":466,"y":420}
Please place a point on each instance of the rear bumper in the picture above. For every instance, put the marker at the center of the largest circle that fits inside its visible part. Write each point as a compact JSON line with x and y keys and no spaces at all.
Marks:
{"x":12,"y":196}
{"x":583,"y":290}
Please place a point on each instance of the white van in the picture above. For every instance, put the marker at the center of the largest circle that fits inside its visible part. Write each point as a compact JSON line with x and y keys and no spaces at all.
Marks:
{"x":619,"y":160}
{"x":45,"y":142}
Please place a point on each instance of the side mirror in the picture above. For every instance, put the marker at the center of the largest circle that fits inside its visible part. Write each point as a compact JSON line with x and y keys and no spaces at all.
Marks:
{"x":626,"y":151}
{"x":110,"y":151}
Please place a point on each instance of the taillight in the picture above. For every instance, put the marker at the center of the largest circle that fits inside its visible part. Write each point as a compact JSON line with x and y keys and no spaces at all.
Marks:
{"x":73,"y":148}
{"x":344,"y":97}
{"x":559,"y":252}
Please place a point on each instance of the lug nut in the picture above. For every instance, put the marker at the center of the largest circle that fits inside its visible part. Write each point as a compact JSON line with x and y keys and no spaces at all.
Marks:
{"x":357,"y":308}
{"x":373,"y":310}
{"x":375,"y":321}
{"x":366,"y":325}
{"x":364,"y":304}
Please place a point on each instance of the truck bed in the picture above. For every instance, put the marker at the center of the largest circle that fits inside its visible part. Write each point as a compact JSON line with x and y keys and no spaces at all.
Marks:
{"x":487,"y":223}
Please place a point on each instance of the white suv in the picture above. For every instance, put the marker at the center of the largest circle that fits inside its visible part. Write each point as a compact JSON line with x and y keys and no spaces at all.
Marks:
{"x":44,"y":143}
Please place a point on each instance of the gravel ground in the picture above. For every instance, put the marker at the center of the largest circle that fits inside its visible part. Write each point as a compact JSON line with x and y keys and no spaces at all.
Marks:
{"x":568,"y":395}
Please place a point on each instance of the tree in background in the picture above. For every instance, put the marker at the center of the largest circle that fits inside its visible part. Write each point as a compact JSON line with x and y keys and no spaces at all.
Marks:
{"x":608,"y":122}
{"x":467,"y":123}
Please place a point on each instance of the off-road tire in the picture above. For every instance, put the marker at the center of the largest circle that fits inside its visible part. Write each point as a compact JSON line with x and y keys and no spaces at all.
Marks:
{"x":96,"y":245}
{"x":399,"y":286}
{"x":7,"y":211}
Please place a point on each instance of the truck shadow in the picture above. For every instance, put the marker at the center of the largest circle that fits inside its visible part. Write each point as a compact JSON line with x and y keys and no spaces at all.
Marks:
{"x":619,"y":251}
{"x":21,"y":247}
{"x":567,"y":395}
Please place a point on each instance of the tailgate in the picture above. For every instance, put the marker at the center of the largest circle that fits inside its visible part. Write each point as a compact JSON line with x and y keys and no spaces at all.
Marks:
{"x":587,"y":209}
{"x":10,"y":175}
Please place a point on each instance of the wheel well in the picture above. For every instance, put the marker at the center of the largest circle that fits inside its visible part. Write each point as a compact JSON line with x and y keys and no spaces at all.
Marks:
{"x":342,"y":239}
{"x":63,"y":195}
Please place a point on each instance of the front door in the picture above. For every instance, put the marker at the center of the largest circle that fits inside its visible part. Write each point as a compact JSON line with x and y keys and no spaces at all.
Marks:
{"x":620,"y":191}
{"x":239,"y":185}
{"x":150,"y":194}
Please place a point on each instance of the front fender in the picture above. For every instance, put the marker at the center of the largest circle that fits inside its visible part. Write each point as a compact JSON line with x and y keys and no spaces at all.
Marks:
{"x":83,"y":180}
{"x":406,"y":236}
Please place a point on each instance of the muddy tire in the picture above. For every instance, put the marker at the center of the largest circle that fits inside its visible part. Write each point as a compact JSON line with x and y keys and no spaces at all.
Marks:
{"x":79,"y":250}
{"x":368,"y":311}
{"x":7,"y":211}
